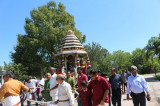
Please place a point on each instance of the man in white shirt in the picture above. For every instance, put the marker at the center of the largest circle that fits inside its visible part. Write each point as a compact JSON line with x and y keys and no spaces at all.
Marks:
{"x":53,"y":85}
{"x":137,"y":85}
{"x":31,"y":84}
{"x":40,"y":85}
{"x":65,"y":96}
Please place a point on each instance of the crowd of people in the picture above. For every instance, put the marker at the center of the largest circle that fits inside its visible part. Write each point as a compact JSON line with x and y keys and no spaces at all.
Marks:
{"x":89,"y":90}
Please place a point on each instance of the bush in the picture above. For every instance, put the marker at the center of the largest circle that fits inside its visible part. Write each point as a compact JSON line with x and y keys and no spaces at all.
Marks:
{"x":157,"y":76}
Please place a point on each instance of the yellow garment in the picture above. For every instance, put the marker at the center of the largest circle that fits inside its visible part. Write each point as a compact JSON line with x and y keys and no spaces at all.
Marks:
{"x":83,"y":66}
{"x":12,"y":88}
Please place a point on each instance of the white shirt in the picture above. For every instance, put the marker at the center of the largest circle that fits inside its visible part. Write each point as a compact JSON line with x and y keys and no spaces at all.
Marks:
{"x":53,"y":83}
{"x":137,"y":84}
{"x":32,"y":84}
{"x":65,"y":92}
{"x":41,"y":82}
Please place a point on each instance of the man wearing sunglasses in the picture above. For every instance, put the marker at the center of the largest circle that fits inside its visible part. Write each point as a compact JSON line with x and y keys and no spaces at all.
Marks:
{"x":137,"y":85}
{"x":10,"y":90}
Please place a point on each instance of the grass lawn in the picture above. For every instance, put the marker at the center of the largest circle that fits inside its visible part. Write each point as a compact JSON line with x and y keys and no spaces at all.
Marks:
{"x":157,"y":76}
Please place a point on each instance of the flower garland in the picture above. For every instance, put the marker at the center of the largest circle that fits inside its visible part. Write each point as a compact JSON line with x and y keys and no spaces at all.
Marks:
{"x":55,"y":64}
{"x":63,"y":65}
{"x":78,"y":62}
{"x":88,"y":63}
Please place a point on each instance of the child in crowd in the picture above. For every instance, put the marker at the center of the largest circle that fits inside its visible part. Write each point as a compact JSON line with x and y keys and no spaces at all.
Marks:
{"x":85,"y":95}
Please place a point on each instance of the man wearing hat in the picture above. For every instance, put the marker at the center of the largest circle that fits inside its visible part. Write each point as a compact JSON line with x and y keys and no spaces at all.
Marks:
{"x":137,"y":85}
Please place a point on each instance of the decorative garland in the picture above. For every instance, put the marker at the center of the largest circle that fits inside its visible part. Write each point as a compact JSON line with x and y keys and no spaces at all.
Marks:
{"x":63,"y":64}
{"x":55,"y":64}
{"x":78,"y":62}
{"x":88,"y":63}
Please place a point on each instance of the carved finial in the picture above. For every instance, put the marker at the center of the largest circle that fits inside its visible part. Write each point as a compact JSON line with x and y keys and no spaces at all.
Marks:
{"x":69,"y":32}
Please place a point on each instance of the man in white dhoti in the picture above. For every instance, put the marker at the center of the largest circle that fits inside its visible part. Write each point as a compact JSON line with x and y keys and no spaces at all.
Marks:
{"x":65,"y":96}
{"x":53,"y":86}
{"x":10,"y":90}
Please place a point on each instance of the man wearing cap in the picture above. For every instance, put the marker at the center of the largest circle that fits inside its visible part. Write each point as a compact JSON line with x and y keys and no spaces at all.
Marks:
{"x":10,"y":90}
{"x":65,"y":96}
{"x":137,"y":84}
{"x":53,"y":85}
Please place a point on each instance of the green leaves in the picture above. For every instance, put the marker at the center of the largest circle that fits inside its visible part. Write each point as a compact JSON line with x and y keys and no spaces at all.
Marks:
{"x":152,"y":51}
{"x":17,"y":69}
{"x":102,"y":60}
{"x":121,"y":60}
{"x":44,"y":33}
{"x":97,"y":55}
{"x":153,"y":46}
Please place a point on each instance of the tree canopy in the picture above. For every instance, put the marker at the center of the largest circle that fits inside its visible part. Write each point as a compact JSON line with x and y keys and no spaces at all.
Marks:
{"x":102,"y":60}
{"x":97,"y":55}
{"x":44,"y":33}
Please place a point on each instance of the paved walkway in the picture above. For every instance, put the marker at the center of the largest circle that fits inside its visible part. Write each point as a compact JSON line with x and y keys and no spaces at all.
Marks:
{"x":154,"y":86}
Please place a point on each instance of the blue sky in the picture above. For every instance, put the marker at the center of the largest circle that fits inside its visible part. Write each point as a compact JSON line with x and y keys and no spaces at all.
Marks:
{"x":115,"y":24}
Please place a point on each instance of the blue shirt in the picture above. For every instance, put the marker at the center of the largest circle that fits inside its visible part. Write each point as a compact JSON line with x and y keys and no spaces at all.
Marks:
{"x":115,"y":81}
{"x":137,"y":84}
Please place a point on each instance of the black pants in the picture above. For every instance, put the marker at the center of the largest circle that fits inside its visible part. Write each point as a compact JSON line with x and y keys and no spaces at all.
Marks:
{"x":125,"y":86}
{"x":139,"y":99}
{"x":116,"y":97}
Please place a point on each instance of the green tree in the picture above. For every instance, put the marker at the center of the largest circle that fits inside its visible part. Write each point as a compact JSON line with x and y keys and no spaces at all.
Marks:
{"x":138,"y":58}
{"x":156,"y":65}
{"x":153,"y":47}
{"x":44,"y":33}
{"x":17,"y":69}
{"x":143,"y":62}
{"x":121,"y":60}
{"x":107,"y":63}
{"x":97,"y":54}
{"x":152,"y":51}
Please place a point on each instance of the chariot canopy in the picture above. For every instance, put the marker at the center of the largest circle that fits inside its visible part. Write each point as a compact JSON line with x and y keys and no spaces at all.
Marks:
{"x":69,"y":52}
